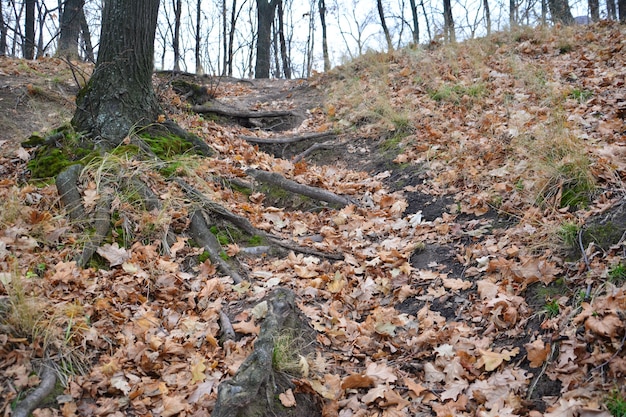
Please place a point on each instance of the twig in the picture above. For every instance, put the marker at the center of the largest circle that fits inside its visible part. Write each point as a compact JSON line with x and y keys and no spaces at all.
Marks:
{"x":316,"y":146}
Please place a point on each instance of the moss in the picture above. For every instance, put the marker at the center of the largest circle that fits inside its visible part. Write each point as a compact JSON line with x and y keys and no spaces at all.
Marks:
{"x":604,"y":235}
{"x":167,"y":146}
{"x":203,"y":256}
{"x":171,"y":169}
{"x":255,"y":240}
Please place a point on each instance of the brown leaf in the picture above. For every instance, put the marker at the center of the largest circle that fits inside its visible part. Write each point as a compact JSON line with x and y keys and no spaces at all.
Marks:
{"x":537,"y":352}
{"x":606,"y":326}
{"x":357,"y":381}
{"x":287,"y":399}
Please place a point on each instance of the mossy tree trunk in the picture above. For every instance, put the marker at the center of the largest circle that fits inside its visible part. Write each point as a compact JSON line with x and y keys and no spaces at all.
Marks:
{"x":119,"y":95}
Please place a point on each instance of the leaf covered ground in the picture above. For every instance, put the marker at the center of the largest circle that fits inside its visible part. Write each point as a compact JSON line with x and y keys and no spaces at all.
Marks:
{"x":465,"y":288}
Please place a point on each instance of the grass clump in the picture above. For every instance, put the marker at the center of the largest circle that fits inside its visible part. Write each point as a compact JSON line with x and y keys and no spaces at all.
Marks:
{"x":457,"y":93}
{"x":616,"y":404}
{"x":552,"y":308}
{"x":617,"y":273}
{"x":580,"y":95}
{"x":568,"y":234}
{"x":287,"y":357}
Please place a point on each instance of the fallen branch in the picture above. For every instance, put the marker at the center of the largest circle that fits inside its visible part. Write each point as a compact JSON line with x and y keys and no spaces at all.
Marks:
{"x":286,"y":140}
{"x":32,"y":401}
{"x":315,"y":193}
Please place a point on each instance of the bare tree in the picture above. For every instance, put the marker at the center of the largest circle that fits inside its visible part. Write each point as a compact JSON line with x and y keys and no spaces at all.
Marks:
{"x":198,"y":38}
{"x":284,"y":53}
{"x":29,"y":30}
{"x":70,"y":28}
{"x":265,"y":16}
{"x":3,"y":32}
{"x":512,"y":13}
{"x":621,"y":7}
{"x":448,"y":26}
{"x":560,"y":12}
{"x":86,"y":36}
{"x":416,"y":24}
{"x":594,"y":9}
{"x":383,"y":23}
{"x":322,"y":11}
{"x":177,"y":5}
{"x":487,"y":16}
{"x":611,"y":10}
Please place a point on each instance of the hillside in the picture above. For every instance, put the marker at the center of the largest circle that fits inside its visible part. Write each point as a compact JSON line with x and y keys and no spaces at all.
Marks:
{"x":477,"y":268}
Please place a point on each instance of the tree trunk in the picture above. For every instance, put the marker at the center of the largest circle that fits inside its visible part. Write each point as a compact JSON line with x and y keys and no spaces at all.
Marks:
{"x":383,"y":23}
{"x":119,"y":96}
{"x":177,"y":4}
{"x":560,"y":12}
{"x":70,"y":29}
{"x":231,"y":37}
{"x":284,"y":54}
{"x":449,"y":34}
{"x":594,"y":10}
{"x":611,"y":11}
{"x":199,"y":69}
{"x":84,"y":28}
{"x":3,"y":33}
{"x":322,"y":11}
{"x":430,"y":35}
{"x":621,"y":8}
{"x":487,"y":16}
{"x":265,"y":17}
{"x":512,"y":13}
{"x":416,"y":24}
{"x":29,"y":30}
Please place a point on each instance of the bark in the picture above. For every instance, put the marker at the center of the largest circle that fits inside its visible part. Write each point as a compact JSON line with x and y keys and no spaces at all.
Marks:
{"x":322,"y":11}
{"x":449,"y":34}
{"x":416,"y":24}
{"x":611,"y":11}
{"x":512,"y":13}
{"x":3,"y":33}
{"x":621,"y":8}
{"x":29,"y":30}
{"x":177,"y":4}
{"x":119,"y":96}
{"x":70,"y":29}
{"x":487,"y":16}
{"x":199,"y":69}
{"x":560,"y":12}
{"x":84,"y":28}
{"x":283,"y":44}
{"x":45,"y":388}
{"x":265,"y":17}
{"x":231,"y":37}
{"x":383,"y":23}
{"x":594,"y":10}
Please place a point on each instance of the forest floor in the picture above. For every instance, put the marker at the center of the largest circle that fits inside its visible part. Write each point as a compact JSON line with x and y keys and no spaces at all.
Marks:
{"x":459,"y":282}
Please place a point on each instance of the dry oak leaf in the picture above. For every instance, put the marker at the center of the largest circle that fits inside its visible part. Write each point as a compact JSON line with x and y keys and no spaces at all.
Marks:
{"x":537,"y":352}
{"x":287,"y":399}
{"x":606,"y":326}
{"x":381,"y":371}
{"x":491,"y":360}
{"x":414,"y":386}
{"x":197,"y":371}
{"x":374,"y":393}
{"x":246,"y":327}
{"x":172,"y":406}
{"x":357,"y":381}
{"x":113,"y":253}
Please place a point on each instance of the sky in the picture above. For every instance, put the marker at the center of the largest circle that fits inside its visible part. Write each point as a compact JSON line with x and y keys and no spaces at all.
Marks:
{"x":353,"y":28}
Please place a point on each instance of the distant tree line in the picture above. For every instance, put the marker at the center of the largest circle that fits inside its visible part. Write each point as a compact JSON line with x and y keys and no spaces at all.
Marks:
{"x":277,"y":38}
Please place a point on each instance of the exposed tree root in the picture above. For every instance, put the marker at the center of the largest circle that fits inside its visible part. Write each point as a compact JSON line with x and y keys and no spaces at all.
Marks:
{"x":201,"y":233}
{"x":325,"y":145}
{"x":245,"y":225}
{"x":46,"y":386}
{"x":278,"y":180}
{"x":102,"y":225}
{"x":67,"y":187}
{"x":221,"y":110}
{"x":287,"y":140}
{"x":256,"y":386}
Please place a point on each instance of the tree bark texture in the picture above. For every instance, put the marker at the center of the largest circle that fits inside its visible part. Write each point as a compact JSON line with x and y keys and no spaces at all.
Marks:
{"x":416,"y":23}
{"x":29,"y":30}
{"x":119,"y":96}
{"x":178,"y":5}
{"x":383,"y":23}
{"x":3,"y":33}
{"x":284,"y":52}
{"x":70,"y":29}
{"x":84,"y":28}
{"x":265,"y":16}
{"x":560,"y":12}
{"x":621,"y":8}
{"x":322,"y":10}
{"x":450,"y":36}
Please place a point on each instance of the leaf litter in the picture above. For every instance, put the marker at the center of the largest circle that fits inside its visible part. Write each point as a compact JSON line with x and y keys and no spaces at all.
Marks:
{"x":395,"y":338}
